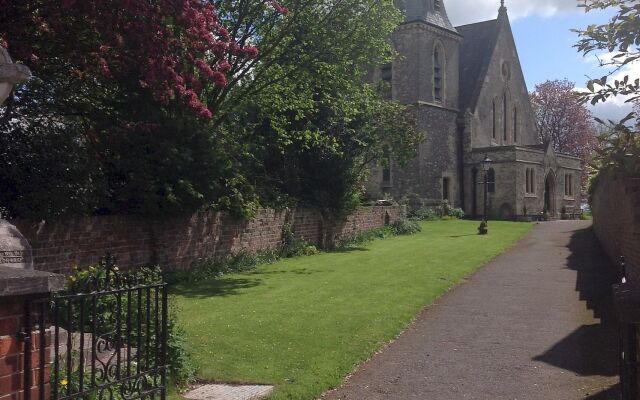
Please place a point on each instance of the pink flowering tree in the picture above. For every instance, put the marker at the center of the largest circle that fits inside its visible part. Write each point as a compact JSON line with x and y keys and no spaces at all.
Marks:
{"x":563,"y":120}
{"x":174,"y":49}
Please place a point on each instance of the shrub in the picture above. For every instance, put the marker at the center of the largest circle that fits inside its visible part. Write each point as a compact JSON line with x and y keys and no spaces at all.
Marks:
{"x":355,"y":239}
{"x":422,"y":214}
{"x":456,"y":213}
{"x":404,"y":226}
{"x":292,"y":246}
{"x":447,"y":211}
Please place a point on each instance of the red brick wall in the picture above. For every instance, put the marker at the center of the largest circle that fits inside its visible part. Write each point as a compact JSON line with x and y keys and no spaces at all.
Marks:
{"x":176,"y":243}
{"x":12,"y":349}
{"x":616,"y":219}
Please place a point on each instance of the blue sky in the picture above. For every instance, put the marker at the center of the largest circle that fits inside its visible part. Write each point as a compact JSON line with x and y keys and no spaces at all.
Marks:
{"x":545,"y":43}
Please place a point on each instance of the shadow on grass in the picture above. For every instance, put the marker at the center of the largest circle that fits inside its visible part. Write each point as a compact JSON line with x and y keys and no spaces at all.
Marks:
{"x":296,"y":271}
{"x":232,"y":285}
{"x":590,"y":350}
{"x":221,"y":287}
{"x":459,"y":236}
{"x":348,"y":249}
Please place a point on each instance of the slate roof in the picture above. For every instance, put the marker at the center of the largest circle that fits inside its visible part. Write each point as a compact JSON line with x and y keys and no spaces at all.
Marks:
{"x":479,"y":41}
{"x":421,"y":10}
{"x":439,"y":19}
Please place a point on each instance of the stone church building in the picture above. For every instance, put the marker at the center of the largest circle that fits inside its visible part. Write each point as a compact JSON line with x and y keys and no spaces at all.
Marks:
{"x":467,"y":90}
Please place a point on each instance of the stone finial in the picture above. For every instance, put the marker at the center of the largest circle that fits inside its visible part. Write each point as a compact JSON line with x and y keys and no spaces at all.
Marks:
{"x":11,"y":72}
{"x":15,"y":250}
{"x":502,"y":12}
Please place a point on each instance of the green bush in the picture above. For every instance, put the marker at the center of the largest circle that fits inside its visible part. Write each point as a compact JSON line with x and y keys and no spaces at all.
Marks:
{"x":404,"y":226}
{"x":446,"y":210}
{"x":456,"y":213}
{"x":292,"y":246}
{"x":356,"y":239}
{"x":423,"y":214}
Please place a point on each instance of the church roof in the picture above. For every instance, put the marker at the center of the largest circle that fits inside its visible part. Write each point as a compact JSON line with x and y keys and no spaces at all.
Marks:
{"x":475,"y":55}
{"x":426,"y":11}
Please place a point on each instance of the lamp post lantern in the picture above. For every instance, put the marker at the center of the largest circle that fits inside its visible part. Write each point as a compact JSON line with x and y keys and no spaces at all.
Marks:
{"x":483,"y":229}
{"x":10,"y":74}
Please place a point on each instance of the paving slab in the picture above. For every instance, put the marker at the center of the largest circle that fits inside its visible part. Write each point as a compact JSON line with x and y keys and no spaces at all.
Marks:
{"x":535,"y":323}
{"x":229,"y":392}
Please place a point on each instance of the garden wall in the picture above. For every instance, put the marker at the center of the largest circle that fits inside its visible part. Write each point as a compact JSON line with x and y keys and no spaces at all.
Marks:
{"x":179,"y":242}
{"x":616,"y":219}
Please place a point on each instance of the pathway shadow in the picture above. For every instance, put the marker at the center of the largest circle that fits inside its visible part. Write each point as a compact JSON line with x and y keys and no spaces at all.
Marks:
{"x":613,"y":393}
{"x":590,"y":350}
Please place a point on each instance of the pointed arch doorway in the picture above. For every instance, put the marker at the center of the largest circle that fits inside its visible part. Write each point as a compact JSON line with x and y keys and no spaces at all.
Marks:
{"x":550,"y":193}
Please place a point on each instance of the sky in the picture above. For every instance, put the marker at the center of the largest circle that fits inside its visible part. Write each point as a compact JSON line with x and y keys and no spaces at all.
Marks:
{"x":542,"y":31}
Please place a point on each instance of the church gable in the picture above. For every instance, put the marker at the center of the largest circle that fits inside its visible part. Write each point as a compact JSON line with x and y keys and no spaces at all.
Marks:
{"x":496,"y":94}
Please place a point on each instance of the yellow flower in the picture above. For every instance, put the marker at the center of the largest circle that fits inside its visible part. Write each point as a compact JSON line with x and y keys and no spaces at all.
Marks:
{"x":64,"y":382}
{"x":116,"y":269}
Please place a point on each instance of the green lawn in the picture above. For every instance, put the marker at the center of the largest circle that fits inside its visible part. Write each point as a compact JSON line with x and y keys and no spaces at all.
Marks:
{"x":304,"y":323}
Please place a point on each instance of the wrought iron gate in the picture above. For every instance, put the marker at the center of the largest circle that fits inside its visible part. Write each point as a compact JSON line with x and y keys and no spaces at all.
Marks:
{"x":105,"y":339}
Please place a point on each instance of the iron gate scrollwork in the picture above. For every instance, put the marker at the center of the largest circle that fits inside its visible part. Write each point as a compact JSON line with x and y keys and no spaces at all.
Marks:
{"x":105,"y":338}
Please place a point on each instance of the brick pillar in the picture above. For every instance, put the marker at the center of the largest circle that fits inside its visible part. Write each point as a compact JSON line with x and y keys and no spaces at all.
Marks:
{"x":16,"y":287}
{"x":10,"y":348}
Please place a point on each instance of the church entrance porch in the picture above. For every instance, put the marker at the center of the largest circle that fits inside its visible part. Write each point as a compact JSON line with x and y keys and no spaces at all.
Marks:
{"x":550,"y":194}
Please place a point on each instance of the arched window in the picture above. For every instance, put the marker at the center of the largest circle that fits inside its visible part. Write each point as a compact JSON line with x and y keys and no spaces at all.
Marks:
{"x":568,"y":185}
{"x":533,"y":180}
{"x":386,"y":170}
{"x":493,"y":135}
{"x":515,"y":124}
{"x":531,"y":183}
{"x":504,"y":117}
{"x":438,"y":75}
{"x":491,"y":180}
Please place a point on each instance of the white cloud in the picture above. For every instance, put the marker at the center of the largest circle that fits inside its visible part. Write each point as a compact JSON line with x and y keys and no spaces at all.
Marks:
{"x":615,"y":108}
{"x":468,"y":11}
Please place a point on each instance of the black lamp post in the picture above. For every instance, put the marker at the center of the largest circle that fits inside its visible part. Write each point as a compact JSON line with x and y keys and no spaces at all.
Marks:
{"x":483,"y":229}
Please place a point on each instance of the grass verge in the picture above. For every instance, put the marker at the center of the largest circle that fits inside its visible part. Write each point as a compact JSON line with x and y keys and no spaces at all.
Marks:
{"x":304,"y":323}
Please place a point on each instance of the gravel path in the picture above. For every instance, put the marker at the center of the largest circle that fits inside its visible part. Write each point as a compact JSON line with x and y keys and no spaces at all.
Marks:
{"x":533,"y":324}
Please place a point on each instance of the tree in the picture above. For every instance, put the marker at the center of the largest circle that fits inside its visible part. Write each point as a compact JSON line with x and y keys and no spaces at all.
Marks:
{"x":618,"y":145}
{"x":314,"y":124}
{"x":142,"y":121}
{"x":621,"y":38}
{"x":170,"y":48}
{"x":563,"y":120}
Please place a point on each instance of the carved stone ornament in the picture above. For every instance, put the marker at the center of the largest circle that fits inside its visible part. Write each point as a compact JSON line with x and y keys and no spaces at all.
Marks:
{"x":15,"y":250}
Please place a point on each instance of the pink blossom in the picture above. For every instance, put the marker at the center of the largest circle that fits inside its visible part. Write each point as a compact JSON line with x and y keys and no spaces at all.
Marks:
{"x":219,"y":79}
{"x":224,"y":66}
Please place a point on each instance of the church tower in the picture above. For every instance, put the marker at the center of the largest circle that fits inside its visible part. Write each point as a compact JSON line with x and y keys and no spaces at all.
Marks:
{"x":427,"y":70}
{"x":425,"y":76}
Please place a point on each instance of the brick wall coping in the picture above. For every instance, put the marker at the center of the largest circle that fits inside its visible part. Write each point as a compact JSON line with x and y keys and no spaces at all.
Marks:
{"x":18,"y":281}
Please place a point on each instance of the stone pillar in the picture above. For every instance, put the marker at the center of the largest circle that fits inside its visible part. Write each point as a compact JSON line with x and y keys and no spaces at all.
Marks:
{"x":16,"y":287}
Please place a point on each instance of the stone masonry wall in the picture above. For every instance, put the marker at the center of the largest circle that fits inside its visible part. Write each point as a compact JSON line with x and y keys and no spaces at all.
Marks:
{"x":616,"y":219}
{"x":178,"y":243}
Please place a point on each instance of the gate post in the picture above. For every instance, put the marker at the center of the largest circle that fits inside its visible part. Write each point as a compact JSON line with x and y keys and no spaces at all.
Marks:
{"x":17,"y":288}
